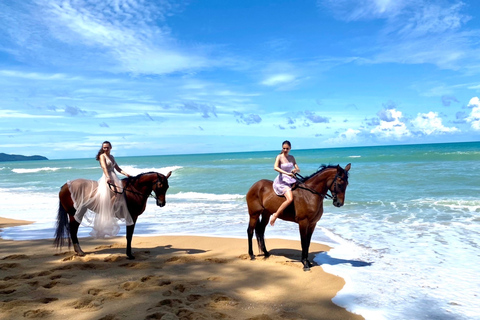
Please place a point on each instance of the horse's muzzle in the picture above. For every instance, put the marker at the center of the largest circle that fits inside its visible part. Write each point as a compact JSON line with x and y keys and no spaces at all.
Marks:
{"x":161,"y":203}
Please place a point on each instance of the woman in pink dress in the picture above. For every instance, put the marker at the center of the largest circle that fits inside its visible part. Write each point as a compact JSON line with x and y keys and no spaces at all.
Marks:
{"x":286,"y":165}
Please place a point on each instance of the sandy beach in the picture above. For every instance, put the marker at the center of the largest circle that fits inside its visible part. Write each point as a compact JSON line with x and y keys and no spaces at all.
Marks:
{"x":172,"y":277}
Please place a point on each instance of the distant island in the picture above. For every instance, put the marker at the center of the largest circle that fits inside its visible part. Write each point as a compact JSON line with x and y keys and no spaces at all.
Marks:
{"x":16,"y":157}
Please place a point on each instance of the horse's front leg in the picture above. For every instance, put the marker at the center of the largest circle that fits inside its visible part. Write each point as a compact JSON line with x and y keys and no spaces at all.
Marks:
{"x":306,"y":232}
{"x":130,"y":230}
{"x":73,"y":226}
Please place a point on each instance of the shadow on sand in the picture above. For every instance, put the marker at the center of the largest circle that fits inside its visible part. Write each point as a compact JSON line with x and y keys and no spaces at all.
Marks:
{"x":324,"y":258}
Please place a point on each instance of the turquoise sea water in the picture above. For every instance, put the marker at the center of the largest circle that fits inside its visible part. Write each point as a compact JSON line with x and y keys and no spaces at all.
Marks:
{"x":407,"y":240}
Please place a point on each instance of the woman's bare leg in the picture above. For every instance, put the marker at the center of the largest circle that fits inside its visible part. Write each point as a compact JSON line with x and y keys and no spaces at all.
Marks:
{"x":289,"y":198}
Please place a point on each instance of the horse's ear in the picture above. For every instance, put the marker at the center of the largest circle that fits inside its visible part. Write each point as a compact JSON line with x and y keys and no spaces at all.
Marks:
{"x":168,"y":175}
{"x":348,"y":167}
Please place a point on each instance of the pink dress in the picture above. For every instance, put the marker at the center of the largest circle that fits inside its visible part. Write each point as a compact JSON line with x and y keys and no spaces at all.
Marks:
{"x":99,"y":207}
{"x":283,"y":182}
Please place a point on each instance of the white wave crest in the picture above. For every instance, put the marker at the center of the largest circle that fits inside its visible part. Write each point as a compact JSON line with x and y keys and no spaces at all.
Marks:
{"x":34,"y":170}
{"x":131,"y":170}
{"x":206,"y":196}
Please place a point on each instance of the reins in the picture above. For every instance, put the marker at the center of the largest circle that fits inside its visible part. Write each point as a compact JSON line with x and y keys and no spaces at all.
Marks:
{"x":301,"y":185}
{"x":126,"y":189}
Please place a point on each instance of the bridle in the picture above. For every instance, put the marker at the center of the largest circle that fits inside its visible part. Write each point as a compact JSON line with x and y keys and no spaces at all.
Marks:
{"x":301,"y":185}
{"x":113,"y":188}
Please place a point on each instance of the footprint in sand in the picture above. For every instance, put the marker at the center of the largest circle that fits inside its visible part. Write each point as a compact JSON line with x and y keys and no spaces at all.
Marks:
{"x":154,"y":316}
{"x":94,"y":292}
{"x":222,"y":300}
{"x":170,"y":303}
{"x":216,"y":260}
{"x":16,"y":257}
{"x":129,"y":285}
{"x":5,"y":286}
{"x":109,"y":317}
{"x":180,"y":259}
{"x":180,"y":288}
{"x":44,"y":273}
{"x":6,"y":266}
{"x":50,"y":285}
{"x":7,"y":291}
{"x":88,"y":302}
{"x":46,"y":300}
{"x":261,"y":317}
{"x":38,"y":313}
{"x":114,"y":258}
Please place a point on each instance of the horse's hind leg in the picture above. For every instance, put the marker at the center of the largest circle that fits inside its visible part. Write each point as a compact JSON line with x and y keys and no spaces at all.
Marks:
{"x":73,"y":235}
{"x":260,"y":232}
{"x":250,"y":230}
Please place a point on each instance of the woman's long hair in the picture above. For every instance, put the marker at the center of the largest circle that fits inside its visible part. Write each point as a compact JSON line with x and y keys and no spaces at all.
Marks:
{"x":101,"y":150}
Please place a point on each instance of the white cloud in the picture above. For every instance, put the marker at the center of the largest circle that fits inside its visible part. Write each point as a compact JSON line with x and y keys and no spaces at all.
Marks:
{"x":35,"y":75}
{"x":430,"y":124}
{"x":394,"y":128}
{"x":415,"y":31}
{"x":364,"y":9}
{"x":474,"y":117}
{"x":118,"y":36}
{"x":278,"y":79}
{"x":350,"y":135}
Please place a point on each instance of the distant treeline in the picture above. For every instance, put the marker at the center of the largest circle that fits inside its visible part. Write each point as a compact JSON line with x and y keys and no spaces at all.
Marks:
{"x":17,"y":157}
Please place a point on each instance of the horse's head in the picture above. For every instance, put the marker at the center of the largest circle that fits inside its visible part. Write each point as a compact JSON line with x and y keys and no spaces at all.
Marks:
{"x":339,"y":185}
{"x":160,"y":188}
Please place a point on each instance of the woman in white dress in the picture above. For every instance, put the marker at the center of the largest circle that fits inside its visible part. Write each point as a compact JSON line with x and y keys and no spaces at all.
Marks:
{"x":101,"y":203}
{"x":286,"y":165}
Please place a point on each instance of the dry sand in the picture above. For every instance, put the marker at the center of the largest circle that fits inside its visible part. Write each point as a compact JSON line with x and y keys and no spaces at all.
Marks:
{"x":172,"y":277}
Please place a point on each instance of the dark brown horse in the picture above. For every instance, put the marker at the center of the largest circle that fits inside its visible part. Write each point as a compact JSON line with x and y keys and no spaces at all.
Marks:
{"x":136,"y":191}
{"x":306,"y":208}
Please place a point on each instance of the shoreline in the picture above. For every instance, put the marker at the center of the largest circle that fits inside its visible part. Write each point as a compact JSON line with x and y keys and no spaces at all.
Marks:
{"x":6,"y":222}
{"x":172,"y":277}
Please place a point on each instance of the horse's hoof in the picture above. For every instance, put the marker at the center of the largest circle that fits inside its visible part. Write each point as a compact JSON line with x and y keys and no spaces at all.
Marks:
{"x":130,"y":257}
{"x":252,"y":257}
{"x":306,"y":265}
{"x":78,"y":250}
{"x":267,"y":254}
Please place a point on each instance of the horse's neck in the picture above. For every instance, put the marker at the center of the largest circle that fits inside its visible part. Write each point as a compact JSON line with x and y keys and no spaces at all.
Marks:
{"x":320,"y":181}
{"x":145,"y":183}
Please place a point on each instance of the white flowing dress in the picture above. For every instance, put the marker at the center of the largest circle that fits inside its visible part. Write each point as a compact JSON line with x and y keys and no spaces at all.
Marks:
{"x":98,"y":206}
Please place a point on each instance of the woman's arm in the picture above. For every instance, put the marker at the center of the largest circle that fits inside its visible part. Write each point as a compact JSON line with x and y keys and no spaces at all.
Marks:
{"x":120,"y":170}
{"x":296,"y":169}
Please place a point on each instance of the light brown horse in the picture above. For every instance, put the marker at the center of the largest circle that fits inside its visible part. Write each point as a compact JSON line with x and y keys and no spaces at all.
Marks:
{"x":306,"y":208}
{"x":136,"y":191}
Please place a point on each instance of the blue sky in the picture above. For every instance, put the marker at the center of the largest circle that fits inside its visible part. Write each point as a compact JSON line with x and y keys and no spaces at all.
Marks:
{"x":176,"y":77}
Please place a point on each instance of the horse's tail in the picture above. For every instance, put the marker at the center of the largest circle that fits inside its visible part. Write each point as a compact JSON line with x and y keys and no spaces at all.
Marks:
{"x":62,"y":232}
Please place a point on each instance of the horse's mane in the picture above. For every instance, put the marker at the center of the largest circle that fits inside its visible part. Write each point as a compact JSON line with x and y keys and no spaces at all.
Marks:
{"x":322,"y":168}
{"x":135,"y":178}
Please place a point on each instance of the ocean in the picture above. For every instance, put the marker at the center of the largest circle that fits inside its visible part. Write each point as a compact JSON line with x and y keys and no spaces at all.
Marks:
{"x":407,"y":240}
